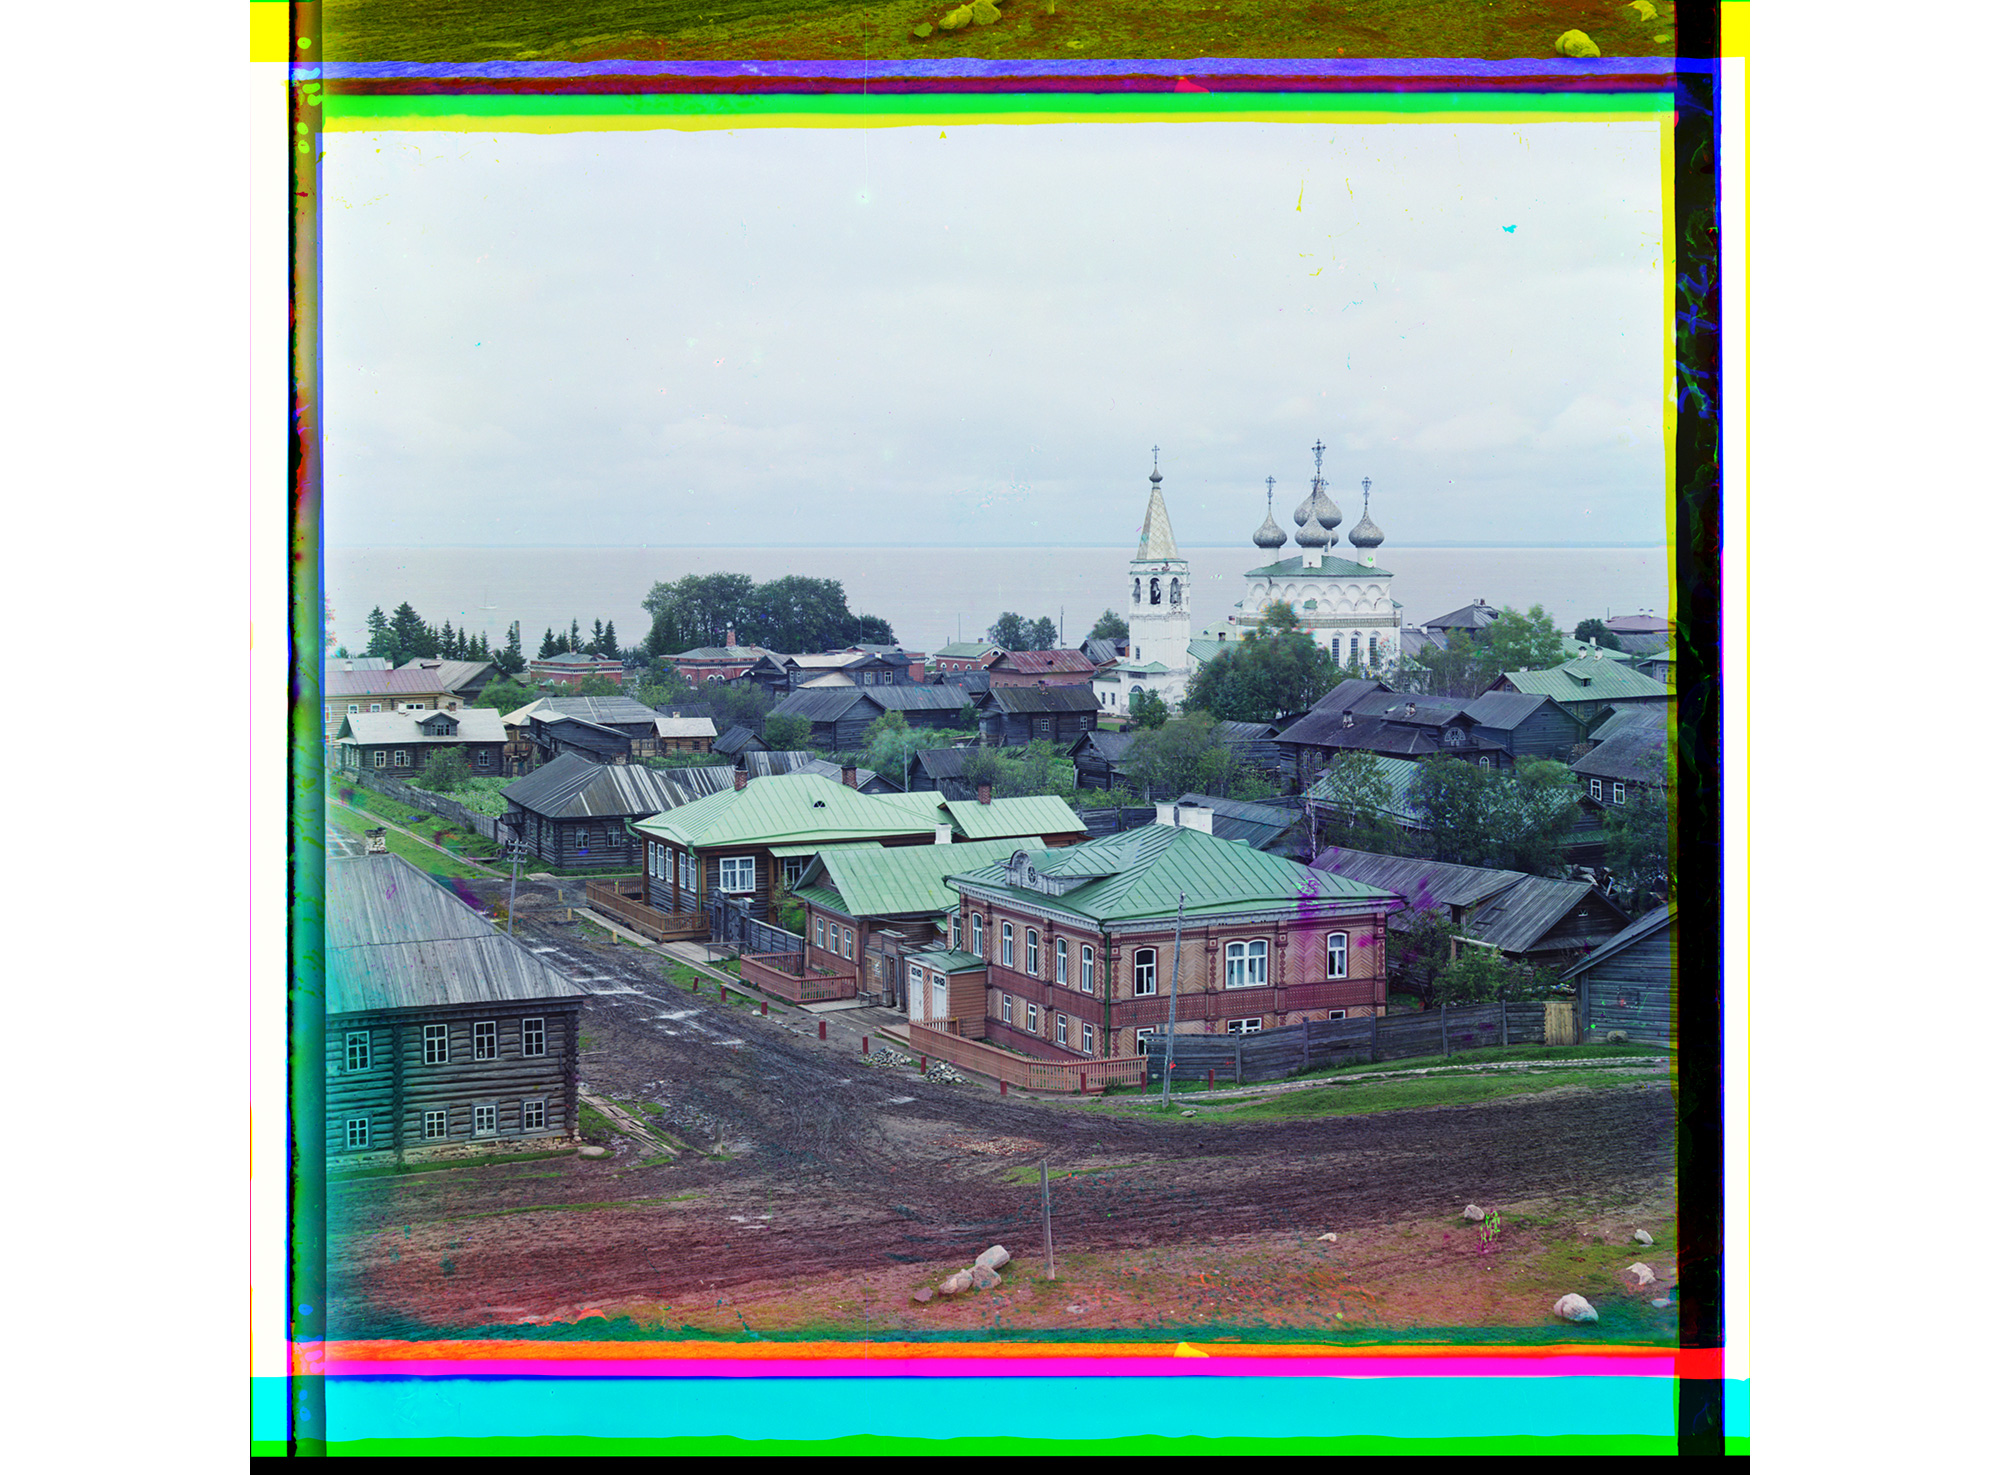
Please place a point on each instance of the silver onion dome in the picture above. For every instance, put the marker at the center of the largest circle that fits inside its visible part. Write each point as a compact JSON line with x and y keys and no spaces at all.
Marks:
{"x":1365,"y":533}
{"x":1270,"y":535}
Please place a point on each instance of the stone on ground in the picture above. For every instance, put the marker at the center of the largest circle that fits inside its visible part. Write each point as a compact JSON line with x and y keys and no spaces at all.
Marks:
{"x":1574,"y":1308}
{"x":1642,"y":1237}
{"x":993,"y":1258}
{"x":593,"y":1152}
{"x":1643,"y":1274}
{"x":1575,"y":43}
{"x":958,"y":1280}
{"x":922,"y":1293}
{"x":1329,"y":1238}
{"x":1473,"y":1212}
{"x":984,"y":1277}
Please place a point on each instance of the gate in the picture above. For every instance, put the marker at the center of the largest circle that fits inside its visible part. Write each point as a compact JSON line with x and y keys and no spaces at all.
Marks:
{"x":1559,"y":1022}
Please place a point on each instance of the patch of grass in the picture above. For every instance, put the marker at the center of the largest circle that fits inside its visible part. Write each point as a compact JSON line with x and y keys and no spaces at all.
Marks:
{"x":623,"y":1203}
{"x":415,"y":852}
{"x":595,"y":1127}
{"x":1486,"y":1056}
{"x":653,"y":1108}
{"x":488,"y":1160}
{"x":1401,"y":1095}
{"x":1030,"y":1174}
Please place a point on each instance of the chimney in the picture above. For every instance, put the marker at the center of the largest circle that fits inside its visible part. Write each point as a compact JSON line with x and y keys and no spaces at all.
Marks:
{"x":742,"y":779}
{"x":944,"y":834}
{"x":1195,"y":817}
{"x":986,"y":793}
{"x":729,"y":638}
{"x":848,"y":776}
{"x":1165,"y":814}
{"x":1409,"y":709}
{"x":1347,"y":719}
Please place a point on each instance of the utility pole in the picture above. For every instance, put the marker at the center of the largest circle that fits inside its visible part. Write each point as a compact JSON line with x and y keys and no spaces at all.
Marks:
{"x":1173,"y":1003}
{"x":514,"y":851}
{"x":1048,"y":1236}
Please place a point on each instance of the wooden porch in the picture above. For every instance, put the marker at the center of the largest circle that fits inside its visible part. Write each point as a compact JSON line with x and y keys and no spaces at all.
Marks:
{"x":1070,"y":1078}
{"x":623,"y":898}
{"x":787,"y":976}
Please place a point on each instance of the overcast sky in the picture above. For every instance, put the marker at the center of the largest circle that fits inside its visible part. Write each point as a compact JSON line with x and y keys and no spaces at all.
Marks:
{"x":974,"y":335}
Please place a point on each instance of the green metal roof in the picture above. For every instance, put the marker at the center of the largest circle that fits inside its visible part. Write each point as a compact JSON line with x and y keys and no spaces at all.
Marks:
{"x":1401,"y":773}
{"x":965,"y":649}
{"x":1573,"y":647}
{"x":1036,"y":814}
{"x":899,"y":881}
{"x":1329,"y":568}
{"x":785,"y":851}
{"x":1204,"y":649}
{"x":1142,"y":873}
{"x":783,"y":809}
{"x":923,"y":807}
{"x":944,"y":960}
{"x":1588,"y":679}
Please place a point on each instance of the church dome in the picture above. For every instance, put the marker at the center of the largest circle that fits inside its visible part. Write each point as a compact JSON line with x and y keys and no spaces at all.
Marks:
{"x":1365,"y":533}
{"x":1270,"y":535}
{"x":1324,"y":510}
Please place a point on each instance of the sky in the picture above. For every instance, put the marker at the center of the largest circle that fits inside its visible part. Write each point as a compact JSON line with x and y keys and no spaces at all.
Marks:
{"x":975,"y":335}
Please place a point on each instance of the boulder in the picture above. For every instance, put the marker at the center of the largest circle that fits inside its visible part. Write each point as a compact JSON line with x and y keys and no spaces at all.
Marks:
{"x":984,"y":1277}
{"x":1642,"y":1237}
{"x":984,"y":12}
{"x":1642,"y":10}
{"x":593,"y":1152}
{"x":958,"y":1280}
{"x":1575,"y":43}
{"x":1574,"y":1308}
{"x":1643,"y":1274}
{"x":1188,"y":1112}
{"x":994,"y":1258}
{"x":1329,"y":1238}
{"x":1474,"y":1213}
{"x":922,"y":1293}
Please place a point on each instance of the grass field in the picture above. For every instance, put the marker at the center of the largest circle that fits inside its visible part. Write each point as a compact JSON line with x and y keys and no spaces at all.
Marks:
{"x":458,"y":30}
{"x":417,"y":854}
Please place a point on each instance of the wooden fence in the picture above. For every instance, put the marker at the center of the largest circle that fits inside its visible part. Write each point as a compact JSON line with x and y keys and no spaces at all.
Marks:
{"x":617,"y":899}
{"x":439,"y":804}
{"x":731,"y":921}
{"x":787,"y":976}
{"x":1271,"y":1054}
{"x":1070,"y":1078}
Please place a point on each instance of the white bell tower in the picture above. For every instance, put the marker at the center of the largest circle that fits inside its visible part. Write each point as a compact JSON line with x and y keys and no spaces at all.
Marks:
{"x":1158,"y":612}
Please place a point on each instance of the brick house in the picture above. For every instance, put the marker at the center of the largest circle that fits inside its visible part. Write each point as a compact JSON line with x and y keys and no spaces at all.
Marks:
{"x":1079,"y":943}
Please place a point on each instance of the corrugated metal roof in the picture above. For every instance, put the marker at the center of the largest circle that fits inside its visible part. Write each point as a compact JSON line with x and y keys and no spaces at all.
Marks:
{"x":789,"y":851}
{"x":1516,"y":919}
{"x":828,"y":682}
{"x":723,"y":653}
{"x":916,"y":698}
{"x":1636,"y":753}
{"x":1640,"y":929}
{"x":602,"y":710}
{"x":1421,"y":883}
{"x":905,"y":879}
{"x":1145,"y":871}
{"x":401,"y":683}
{"x":1467,"y":617}
{"x":784,"y":810}
{"x":820,"y":703}
{"x":1575,"y":649}
{"x":1034,"y":814}
{"x":451,"y":674}
{"x":921,"y":805}
{"x":1638,"y":625}
{"x":1254,"y":824}
{"x":945,"y":960}
{"x":770,"y":764}
{"x":397,"y":940}
{"x":475,"y":725}
{"x":573,"y":787}
{"x":966,"y":650}
{"x":1504,"y":710}
{"x":1630,"y":718}
{"x":1588,"y":679}
{"x":1039,"y":661}
{"x":1200,"y":652}
{"x":942,"y":762}
{"x":1100,"y":651}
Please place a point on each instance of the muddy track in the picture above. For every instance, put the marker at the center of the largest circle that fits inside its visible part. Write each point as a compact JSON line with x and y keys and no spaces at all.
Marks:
{"x":823,"y":1163}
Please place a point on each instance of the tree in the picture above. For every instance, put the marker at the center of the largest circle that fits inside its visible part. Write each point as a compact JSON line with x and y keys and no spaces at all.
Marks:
{"x":663,"y":686}
{"x":445,"y":771}
{"x":550,"y":646}
{"x":608,"y":646}
{"x":1481,"y":974}
{"x":380,"y":641}
{"x":891,"y":744}
{"x":504,"y":695}
{"x":1009,"y":632}
{"x":1042,"y":634}
{"x":1149,"y":709}
{"x":1518,"y":642}
{"x":1639,"y":840}
{"x":510,"y":661}
{"x":787,"y":731}
{"x":1484,"y":817}
{"x":1183,"y":755}
{"x":873,"y":630}
{"x":410,"y":635}
{"x":1459,"y":668}
{"x":1275,"y":672}
{"x":697,"y":610}
{"x":1110,"y":627}
{"x":1600,"y":632}
{"x":1351,"y":806}
{"x":595,"y":685}
{"x":575,"y":641}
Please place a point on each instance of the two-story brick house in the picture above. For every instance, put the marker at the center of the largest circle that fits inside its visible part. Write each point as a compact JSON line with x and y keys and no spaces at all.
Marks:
{"x":1080,"y":943}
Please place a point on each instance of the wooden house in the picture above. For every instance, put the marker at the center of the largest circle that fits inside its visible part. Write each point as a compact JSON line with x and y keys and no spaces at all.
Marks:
{"x":573,"y":814}
{"x":1014,"y":716}
{"x":677,"y":734}
{"x":1627,"y":983}
{"x":940,"y":771}
{"x":841,"y":716}
{"x":738,"y":741}
{"x":443,"y":1037}
{"x":1588,"y":686}
{"x":1260,"y":826}
{"x":602,"y":729}
{"x":1255,"y":745}
{"x":1353,"y":719}
{"x":1525,"y":725}
{"x":1100,"y":756}
{"x":1633,"y":759}
{"x":463,"y":679}
{"x":1041,"y":668}
{"x":398,"y":744}
{"x":1079,"y":943}
{"x":366,"y":693}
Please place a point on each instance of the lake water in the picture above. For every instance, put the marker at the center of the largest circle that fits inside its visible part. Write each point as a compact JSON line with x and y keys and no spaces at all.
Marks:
{"x":935,"y":595}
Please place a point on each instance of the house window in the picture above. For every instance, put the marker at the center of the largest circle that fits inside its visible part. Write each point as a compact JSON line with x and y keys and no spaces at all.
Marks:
{"x":354,"y":707}
{"x":1336,"y":1014}
{"x":954,"y":931}
{"x":1336,"y":955}
{"x":381,"y":757}
{"x":1089,"y":1040}
{"x":437,"y":1045}
{"x":1372,"y":658}
{"x":1034,"y":1018}
{"x":940,"y":996}
{"x":1006,"y":944}
{"x":1139,"y":1038}
{"x":534,"y":1116}
{"x":1454,"y":737}
{"x":847,"y":942}
{"x":795,"y":867}
{"x":1006,"y":1008}
{"x":1617,"y":793}
{"x":916,"y":978}
{"x":1243,"y":964}
{"x":978,"y":936}
{"x":819,"y":932}
{"x":485,"y":1120}
{"x":1145,"y":971}
{"x":533,"y":1040}
{"x":486,"y":1041}
{"x":1245,"y":1026}
{"x":434,"y":1125}
{"x":1062,"y":960}
{"x":483,"y":758}
{"x":739,"y":873}
{"x":1062,"y":1029}
{"x":1087,"y":969}
{"x":357,"y":1133}
{"x":582,"y":839}
{"x":1485,"y":761}
{"x":402,"y":758}
{"x":357,"y":1049}
{"x":687,"y":872}
{"x":1597,"y":789}
{"x":1034,"y":953}
{"x":374,"y":706}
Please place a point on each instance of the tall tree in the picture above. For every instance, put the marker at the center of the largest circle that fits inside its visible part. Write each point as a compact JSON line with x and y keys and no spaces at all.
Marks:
{"x":1184,"y":755}
{"x":447,"y":642}
{"x":381,"y":641}
{"x":575,"y":642}
{"x":412,"y":637}
{"x":1461,"y":667}
{"x":787,"y":731}
{"x":873,"y":630}
{"x":1110,"y":627}
{"x":596,"y":645}
{"x":550,"y":646}
{"x":697,"y":610}
{"x":1149,"y":709}
{"x":1597,"y":630}
{"x":1042,"y":635}
{"x":1010,"y":632}
{"x":1275,"y":672}
{"x":510,"y":660}
{"x":607,"y":647}
{"x":1523,"y":642}
{"x":1513,"y":820}
{"x":504,"y":695}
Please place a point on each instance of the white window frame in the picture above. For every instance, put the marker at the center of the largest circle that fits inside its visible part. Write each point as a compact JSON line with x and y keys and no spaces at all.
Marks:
{"x":1062,"y":960}
{"x":1062,"y":1029}
{"x":819,"y":932}
{"x":847,"y":942}
{"x":1336,"y":1014}
{"x":1597,"y":789}
{"x":1244,"y":957}
{"x":978,"y":935}
{"x":1336,"y":955}
{"x":1034,"y":953}
{"x":795,"y":867}
{"x":534,"y":1037}
{"x":1246,"y":1026}
{"x":357,"y":1140}
{"x":1617,"y":793}
{"x":1089,"y":1040}
{"x":374,"y":706}
{"x":1033,"y":1017}
{"x":437,"y":1044}
{"x":381,"y":757}
{"x":437,"y":1126}
{"x":353,"y":708}
{"x":736,"y":866}
{"x":1006,"y":1008}
{"x":491,"y":1040}
{"x":483,"y":758}
{"x":402,"y":758}
{"x":954,"y":931}
{"x":491,"y":1117}
{"x":1145,"y":973}
{"x":1086,"y":969}
{"x":357,"y":1043}
{"x":1006,"y":944}
{"x":686,"y":869}
{"x":537,"y":1109}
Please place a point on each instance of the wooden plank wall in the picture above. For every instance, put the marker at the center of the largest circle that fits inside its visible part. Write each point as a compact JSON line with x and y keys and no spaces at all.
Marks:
{"x":1272,"y":1054}
{"x":1632,"y":992}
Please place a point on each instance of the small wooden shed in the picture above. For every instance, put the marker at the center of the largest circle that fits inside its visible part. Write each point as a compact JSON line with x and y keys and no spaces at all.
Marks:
{"x":1628,"y":983}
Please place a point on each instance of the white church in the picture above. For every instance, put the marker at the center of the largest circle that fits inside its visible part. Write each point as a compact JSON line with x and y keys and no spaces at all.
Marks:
{"x":1343,"y":604}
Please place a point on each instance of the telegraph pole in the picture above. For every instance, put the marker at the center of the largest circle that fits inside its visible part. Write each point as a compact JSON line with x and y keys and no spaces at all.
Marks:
{"x":514,"y":849}
{"x":1173,"y":1003}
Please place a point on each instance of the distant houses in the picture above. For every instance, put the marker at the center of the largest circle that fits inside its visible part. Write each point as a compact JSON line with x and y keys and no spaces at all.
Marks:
{"x":571,"y":667}
{"x":841,"y":716}
{"x":573,"y":813}
{"x":398,"y":744}
{"x":364,"y":693}
{"x":443,"y":1036}
{"x":1014,"y":716}
{"x":1587,"y":686}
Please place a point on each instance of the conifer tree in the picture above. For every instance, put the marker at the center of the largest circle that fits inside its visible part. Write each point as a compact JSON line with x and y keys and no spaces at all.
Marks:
{"x":550,"y":646}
